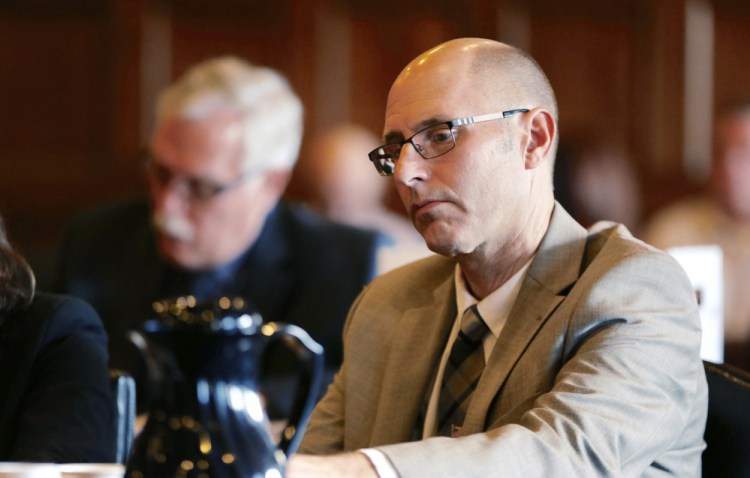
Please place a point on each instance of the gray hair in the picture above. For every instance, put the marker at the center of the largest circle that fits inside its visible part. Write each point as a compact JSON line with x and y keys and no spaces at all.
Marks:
{"x":271,"y":112}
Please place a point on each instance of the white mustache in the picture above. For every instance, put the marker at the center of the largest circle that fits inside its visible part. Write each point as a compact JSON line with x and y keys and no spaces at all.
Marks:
{"x":173,"y":226}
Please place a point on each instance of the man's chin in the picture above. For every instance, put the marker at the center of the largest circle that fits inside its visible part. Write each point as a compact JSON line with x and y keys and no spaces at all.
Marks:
{"x":177,"y":252}
{"x":440,"y":245}
{"x":437,"y":238}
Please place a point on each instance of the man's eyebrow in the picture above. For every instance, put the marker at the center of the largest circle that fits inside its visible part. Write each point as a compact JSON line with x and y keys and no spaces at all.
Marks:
{"x":392,"y":137}
{"x":396,"y":136}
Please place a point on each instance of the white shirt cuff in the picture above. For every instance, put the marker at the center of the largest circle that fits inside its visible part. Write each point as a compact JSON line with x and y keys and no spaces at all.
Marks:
{"x":380,"y":462}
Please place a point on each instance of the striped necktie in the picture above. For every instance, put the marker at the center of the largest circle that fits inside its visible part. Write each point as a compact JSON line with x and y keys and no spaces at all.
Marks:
{"x":462,"y":371}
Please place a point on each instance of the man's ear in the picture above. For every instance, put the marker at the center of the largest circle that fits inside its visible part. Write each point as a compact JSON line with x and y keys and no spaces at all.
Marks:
{"x":542,"y":136}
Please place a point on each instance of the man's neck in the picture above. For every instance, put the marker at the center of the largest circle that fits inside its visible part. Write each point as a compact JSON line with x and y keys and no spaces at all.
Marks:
{"x":485,"y":271}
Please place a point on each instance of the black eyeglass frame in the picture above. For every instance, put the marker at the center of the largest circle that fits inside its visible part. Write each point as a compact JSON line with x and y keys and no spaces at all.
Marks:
{"x":196,"y":190}
{"x":385,"y":169}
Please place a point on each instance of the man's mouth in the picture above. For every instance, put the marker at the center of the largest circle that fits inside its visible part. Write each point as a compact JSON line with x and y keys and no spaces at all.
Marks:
{"x":424,"y":206}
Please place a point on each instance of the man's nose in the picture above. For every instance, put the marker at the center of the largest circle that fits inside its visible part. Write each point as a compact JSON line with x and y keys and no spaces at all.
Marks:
{"x":169,"y":196}
{"x":411,"y":166}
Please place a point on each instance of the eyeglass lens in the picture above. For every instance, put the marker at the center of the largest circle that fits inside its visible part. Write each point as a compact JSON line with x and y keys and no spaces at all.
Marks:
{"x":191,"y":188}
{"x":429,"y":143}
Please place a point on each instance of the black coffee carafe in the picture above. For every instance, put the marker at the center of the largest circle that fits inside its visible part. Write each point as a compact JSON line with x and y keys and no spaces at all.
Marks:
{"x":210,"y":419}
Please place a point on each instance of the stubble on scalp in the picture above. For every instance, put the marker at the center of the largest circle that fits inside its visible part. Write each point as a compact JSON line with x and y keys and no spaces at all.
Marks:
{"x":513,"y":76}
{"x":511,"y":79}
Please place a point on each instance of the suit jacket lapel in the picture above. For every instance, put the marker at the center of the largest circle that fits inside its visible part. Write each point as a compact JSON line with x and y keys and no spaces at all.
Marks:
{"x":554,"y":269}
{"x":412,"y":362}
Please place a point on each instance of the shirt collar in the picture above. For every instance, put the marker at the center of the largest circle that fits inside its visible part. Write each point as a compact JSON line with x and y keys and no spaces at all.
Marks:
{"x":496,"y":307}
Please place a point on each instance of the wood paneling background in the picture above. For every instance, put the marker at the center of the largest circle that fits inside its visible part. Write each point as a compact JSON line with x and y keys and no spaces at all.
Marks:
{"x":78,"y":78}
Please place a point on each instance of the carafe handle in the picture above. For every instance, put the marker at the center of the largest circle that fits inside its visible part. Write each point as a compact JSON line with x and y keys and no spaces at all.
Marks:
{"x":310,"y":355}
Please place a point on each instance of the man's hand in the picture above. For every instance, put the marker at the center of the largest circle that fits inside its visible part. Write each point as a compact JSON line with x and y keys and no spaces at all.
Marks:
{"x":333,"y":466}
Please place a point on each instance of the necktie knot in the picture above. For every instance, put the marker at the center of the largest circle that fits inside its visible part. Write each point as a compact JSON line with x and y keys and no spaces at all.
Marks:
{"x":473,"y":326}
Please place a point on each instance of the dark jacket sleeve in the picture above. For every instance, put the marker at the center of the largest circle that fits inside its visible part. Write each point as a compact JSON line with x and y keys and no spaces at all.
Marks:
{"x":62,"y":406}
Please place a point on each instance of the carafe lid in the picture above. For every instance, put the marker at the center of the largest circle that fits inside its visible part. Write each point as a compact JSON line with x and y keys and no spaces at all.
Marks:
{"x":222,"y":316}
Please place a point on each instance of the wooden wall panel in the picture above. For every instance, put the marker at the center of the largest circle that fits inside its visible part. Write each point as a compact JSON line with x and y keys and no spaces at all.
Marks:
{"x":78,"y":77}
{"x":731,"y":61}
{"x":52,"y":99}
{"x":384,"y":41}
{"x":53,"y":123}
{"x":260,"y":35}
{"x":592,"y":75}
{"x":274,"y":34}
{"x":617,"y":68}
{"x":381,"y":49}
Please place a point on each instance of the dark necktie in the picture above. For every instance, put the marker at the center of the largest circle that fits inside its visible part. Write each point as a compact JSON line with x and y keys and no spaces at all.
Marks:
{"x":462,"y":371}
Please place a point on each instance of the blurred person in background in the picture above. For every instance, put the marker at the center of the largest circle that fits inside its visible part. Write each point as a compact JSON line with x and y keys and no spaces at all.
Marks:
{"x":596,"y":181}
{"x":55,"y":399}
{"x":337,"y":183}
{"x":226,"y":140}
{"x":720,"y":216}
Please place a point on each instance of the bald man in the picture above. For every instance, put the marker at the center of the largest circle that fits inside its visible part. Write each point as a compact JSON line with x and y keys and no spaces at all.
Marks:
{"x":529,"y":346}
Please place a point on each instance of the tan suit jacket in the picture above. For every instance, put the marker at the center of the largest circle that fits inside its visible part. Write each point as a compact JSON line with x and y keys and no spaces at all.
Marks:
{"x":596,"y":373}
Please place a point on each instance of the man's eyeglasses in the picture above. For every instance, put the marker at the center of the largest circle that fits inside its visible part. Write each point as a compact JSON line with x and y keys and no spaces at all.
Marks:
{"x":430,"y":142}
{"x":193,"y":189}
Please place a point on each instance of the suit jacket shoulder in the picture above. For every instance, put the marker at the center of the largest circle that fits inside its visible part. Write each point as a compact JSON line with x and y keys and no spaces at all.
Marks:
{"x":105,"y":252}
{"x":105,"y":228}
{"x":331,"y":247}
{"x":330,"y":263}
{"x":55,"y":403}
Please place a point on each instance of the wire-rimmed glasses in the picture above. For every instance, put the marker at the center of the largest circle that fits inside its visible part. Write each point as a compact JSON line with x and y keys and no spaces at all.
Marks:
{"x":193,"y":189}
{"x":430,"y":142}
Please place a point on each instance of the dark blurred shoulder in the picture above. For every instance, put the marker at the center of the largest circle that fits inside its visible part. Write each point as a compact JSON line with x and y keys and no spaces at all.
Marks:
{"x":60,"y":315}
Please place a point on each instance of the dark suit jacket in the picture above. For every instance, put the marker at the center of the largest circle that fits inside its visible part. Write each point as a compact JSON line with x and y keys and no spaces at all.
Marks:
{"x":301,"y":270}
{"x":55,"y":402}
{"x":597,"y":371}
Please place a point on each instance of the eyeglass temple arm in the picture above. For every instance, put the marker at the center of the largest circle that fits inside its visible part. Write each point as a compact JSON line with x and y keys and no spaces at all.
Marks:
{"x":488,"y":117}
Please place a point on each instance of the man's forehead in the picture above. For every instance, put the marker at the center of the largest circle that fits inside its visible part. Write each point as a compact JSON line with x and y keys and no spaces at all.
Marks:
{"x":414,"y":109}
{"x":210,"y":144}
{"x":395,"y":131}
